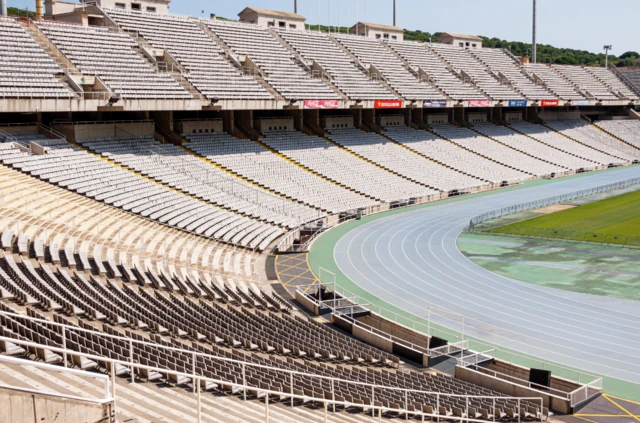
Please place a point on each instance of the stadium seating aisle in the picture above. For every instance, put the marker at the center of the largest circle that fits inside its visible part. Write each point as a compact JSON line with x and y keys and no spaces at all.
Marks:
{"x":372,"y":52}
{"x":461,"y":59}
{"x":79,"y":171}
{"x":442,"y":76}
{"x":394,"y":157}
{"x":278,"y":64}
{"x":112,"y":57}
{"x":252,"y":161}
{"x":337,"y":64}
{"x":337,"y":164}
{"x":532,"y":147}
{"x":592,"y":137}
{"x":556,"y":140}
{"x":449,"y":154}
{"x":27,"y":71}
{"x":202,"y":58}
{"x":628,"y":130}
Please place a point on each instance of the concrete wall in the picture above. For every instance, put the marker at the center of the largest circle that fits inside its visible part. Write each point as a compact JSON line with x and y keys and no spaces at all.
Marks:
{"x":337,"y":122}
{"x":161,"y":6}
{"x":394,"y":329}
{"x":434,"y":119}
{"x":104,"y":130}
{"x":391,"y":120}
{"x":275,"y":124}
{"x":553,"y":403}
{"x":198,"y":126}
{"x":523,"y":373}
{"x":23,"y":407}
{"x":477,"y":117}
{"x":512,"y":116}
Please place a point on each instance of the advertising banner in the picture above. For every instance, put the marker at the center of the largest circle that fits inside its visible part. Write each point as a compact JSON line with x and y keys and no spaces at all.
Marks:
{"x":387,"y":104}
{"x":479,"y":103}
{"x":517,"y":103}
{"x":580,"y":103}
{"x":321,"y":104}
{"x":434,"y":104}
{"x":549,"y":103}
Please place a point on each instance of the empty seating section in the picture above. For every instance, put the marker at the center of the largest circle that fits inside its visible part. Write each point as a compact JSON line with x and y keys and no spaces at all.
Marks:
{"x":254,"y":162}
{"x":449,"y":154}
{"x":632,"y":77}
{"x":611,"y":81}
{"x":532,"y":147}
{"x":556,"y":140}
{"x":396,"y":158}
{"x":21,"y":135}
{"x":593,"y":137}
{"x":373,"y":53}
{"x":439,"y":73}
{"x":585,"y":82}
{"x":337,"y":64}
{"x":204,"y":61}
{"x":554,"y":82}
{"x":278,"y":64}
{"x":627,"y":130}
{"x":181,"y":170}
{"x":495,"y":151}
{"x":26,"y":70}
{"x":79,"y":171}
{"x":112,"y":57}
{"x":502,"y":64}
{"x":462,"y":61}
{"x":341,"y":166}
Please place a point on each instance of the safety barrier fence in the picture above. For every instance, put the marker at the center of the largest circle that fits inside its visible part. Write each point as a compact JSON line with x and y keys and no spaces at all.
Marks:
{"x":244,"y":386}
{"x":538,"y":204}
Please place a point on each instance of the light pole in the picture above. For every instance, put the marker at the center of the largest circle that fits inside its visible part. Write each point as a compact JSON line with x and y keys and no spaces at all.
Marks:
{"x":394,"y":12}
{"x":606,"y":55}
{"x":534,"y":55}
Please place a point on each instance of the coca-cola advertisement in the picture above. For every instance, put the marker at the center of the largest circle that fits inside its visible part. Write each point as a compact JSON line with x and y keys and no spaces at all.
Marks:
{"x":479,"y":103}
{"x":321,"y":104}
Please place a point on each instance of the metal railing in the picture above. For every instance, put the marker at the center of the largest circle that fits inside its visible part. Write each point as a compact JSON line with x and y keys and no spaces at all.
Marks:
{"x":243,"y":386}
{"x":538,"y":204}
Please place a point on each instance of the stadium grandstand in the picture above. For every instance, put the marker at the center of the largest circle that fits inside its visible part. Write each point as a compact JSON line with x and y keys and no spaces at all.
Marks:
{"x":156,"y":170}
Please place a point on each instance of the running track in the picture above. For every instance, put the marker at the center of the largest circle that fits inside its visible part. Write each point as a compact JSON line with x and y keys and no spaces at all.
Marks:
{"x":411,"y":260}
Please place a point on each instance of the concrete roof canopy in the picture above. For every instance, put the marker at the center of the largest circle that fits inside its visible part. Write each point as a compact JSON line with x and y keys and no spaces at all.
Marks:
{"x":273,"y":13}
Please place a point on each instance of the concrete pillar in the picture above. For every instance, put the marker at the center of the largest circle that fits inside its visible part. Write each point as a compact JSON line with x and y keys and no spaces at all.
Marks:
{"x":369,"y":117}
{"x":311,"y":119}
{"x":298,"y":118}
{"x":228,"y":124}
{"x":417,"y":115}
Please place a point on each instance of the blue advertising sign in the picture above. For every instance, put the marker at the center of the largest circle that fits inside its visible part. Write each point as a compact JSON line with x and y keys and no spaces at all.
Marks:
{"x":580,"y":103}
{"x":433,"y":104}
{"x":517,"y":103}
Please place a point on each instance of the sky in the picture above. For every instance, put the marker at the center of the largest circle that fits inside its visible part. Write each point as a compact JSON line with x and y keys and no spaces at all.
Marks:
{"x":579,"y":24}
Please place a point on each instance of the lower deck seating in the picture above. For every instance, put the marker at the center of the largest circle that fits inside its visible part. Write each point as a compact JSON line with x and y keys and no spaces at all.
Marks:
{"x":627,"y":130}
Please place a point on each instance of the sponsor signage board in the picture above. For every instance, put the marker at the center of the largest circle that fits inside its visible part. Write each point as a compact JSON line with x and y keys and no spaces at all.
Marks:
{"x":517,"y":103}
{"x":580,"y":103}
{"x":387,"y":104}
{"x":434,"y":104}
{"x":479,"y":103}
{"x":321,"y":104}
{"x":549,"y":103}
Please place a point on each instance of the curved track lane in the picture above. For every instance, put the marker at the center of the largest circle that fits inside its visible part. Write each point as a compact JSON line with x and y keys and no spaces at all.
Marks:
{"x":411,"y":261}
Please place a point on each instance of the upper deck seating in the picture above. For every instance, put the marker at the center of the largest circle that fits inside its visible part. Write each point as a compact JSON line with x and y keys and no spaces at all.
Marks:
{"x":267,"y":169}
{"x":112,"y":57}
{"x":337,"y":64}
{"x":398,"y":159}
{"x":585,"y":82}
{"x":373,"y":53}
{"x":203,"y":60}
{"x":449,"y":154}
{"x":609,"y":79}
{"x":276,"y":62}
{"x":632,"y":77}
{"x":501,"y":63}
{"x":339,"y":165}
{"x":553,"y":81}
{"x":439,"y":73}
{"x":461,"y":60}
{"x":26,"y":70}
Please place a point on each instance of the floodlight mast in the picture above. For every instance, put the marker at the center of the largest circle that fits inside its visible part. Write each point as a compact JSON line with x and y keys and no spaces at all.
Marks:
{"x":295,"y":6}
{"x":606,"y":55}
{"x":534,"y":49}
{"x":394,"y":12}
{"x":3,"y":7}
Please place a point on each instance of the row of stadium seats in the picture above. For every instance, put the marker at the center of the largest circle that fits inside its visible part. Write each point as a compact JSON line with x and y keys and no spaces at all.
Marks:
{"x":414,"y":71}
{"x":628,"y":130}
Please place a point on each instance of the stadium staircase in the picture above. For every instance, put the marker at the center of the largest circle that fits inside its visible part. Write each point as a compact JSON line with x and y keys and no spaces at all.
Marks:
{"x":381,"y":79}
{"x":257,"y":74}
{"x":302,"y":62}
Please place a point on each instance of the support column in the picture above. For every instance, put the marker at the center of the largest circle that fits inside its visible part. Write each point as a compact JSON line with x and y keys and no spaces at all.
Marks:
{"x":298,"y":118}
{"x":417,"y":116}
{"x":369,"y":118}
{"x":311,"y":120}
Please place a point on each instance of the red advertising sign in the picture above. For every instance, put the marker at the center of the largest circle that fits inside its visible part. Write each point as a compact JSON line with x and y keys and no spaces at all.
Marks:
{"x":387,"y":104}
{"x":479,"y":103}
{"x":549,"y":103}
{"x":321,"y":104}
